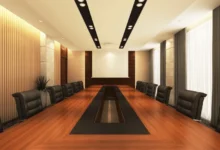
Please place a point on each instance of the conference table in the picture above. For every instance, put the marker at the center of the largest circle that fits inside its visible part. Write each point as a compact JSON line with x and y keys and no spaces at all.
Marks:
{"x":50,"y":129}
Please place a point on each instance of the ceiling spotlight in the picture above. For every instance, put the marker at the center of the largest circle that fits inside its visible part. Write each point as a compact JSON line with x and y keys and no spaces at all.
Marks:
{"x":121,"y":46}
{"x":82,"y":4}
{"x":96,"y":39}
{"x":124,"y":39}
{"x":141,"y":0}
{"x":98,"y":46}
{"x":80,"y":0}
{"x":139,"y":5}
{"x":90,"y":26}
{"x":130,"y":26}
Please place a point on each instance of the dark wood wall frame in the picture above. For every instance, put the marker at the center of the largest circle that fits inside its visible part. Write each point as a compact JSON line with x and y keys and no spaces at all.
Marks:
{"x":63,"y":64}
{"x":110,"y":81}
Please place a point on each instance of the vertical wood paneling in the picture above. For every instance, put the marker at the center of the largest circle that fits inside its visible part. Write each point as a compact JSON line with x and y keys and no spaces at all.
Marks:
{"x":57,"y":55}
{"x":19,"y":60}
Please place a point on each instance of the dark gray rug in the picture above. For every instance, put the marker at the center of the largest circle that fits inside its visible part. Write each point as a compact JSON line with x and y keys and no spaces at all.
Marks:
{"x":87,"y":125}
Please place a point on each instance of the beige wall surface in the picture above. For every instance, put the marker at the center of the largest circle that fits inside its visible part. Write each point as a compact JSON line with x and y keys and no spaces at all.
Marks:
{"x":57,"y":56}
{"x":142,"y":66}
{"x":19,"y":60}
{"x":76,"y":66}
{"x":170,"y":68}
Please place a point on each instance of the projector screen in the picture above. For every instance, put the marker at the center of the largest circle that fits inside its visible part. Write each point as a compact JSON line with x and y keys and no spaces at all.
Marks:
{"x":110,"y":64}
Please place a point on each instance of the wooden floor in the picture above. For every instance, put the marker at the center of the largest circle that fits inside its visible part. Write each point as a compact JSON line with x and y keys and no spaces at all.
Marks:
{"x":169,"y":130}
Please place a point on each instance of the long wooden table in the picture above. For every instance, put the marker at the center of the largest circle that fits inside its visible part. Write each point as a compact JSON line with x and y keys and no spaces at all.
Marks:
{"x":169,"y":129}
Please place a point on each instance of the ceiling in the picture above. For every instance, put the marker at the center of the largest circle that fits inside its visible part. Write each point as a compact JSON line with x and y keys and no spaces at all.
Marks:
{"x":62,"y":21}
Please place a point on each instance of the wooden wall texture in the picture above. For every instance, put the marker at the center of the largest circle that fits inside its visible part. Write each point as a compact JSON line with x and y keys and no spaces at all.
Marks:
{"x":19,"y":60}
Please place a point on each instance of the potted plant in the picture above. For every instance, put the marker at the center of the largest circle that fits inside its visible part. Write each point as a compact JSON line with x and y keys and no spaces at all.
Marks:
{"x":41,"y":86}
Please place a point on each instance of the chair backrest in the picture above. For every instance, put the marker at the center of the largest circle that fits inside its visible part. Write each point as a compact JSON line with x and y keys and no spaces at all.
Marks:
{"x":190,"y":103}
{"x":218,"y":124}
{"x":28,"y":103}
{"x":68,"y":90}
{"x":143,"y":87}
{"x":56,"y":93}
{"x":1,"y":126}
{"x":151,"y":89}
{"x":138,"y":85}
{"x":163,"y":94}
{"x":76,"y":87}
{"x":80,"y":85}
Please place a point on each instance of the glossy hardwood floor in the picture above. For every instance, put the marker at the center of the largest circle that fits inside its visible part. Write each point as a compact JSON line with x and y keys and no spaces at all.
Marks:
{"x":169,"y":130}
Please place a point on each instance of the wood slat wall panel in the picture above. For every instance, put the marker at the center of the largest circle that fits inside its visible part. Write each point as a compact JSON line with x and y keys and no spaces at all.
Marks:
{"x":19,"y":60}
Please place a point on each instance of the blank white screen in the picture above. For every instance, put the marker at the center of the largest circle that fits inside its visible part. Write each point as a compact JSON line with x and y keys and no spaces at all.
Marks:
{"x":110,"y":64}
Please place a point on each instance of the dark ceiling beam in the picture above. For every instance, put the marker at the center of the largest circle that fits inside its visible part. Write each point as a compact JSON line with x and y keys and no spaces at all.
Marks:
{"x":135,"y":13}
{"x":85,"y":13}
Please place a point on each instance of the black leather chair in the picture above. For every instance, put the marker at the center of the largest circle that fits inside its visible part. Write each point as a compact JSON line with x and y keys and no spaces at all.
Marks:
{"x":190,"y":103}
{"x":143,"y":87}
{"x":68,"y":90}
{"x":163,"y":94}
{"x":76,"y":87}
{"x":138,"y":85}
{"x":151,"y":89}
{"x":1,"y":126}
{"x":28,"y":103}
{"x":56,"y":93}
{"x":218,"y":125}
{"x":80,"y":84}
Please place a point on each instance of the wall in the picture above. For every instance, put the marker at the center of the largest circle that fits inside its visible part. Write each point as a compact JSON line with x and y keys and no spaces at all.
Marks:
{"x":170,"y":68}
{"x":19,"y":60}
{"x":123,"y":81}
{"x":76,"y":66}
{"x":142,"y":66}
{"x":57,"y":63}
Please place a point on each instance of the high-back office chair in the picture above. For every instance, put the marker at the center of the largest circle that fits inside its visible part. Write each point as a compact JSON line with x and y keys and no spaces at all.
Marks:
{"x":151,"y":89}
{"x":28,"y":103}
{"x":138,"y":85}
{"x":190,"y":103}
{"x":56,"y":93}
{"x":218,"y":124}
{"x":68,"y":90}
{"x":1,"y":126}
{"x":80,"y":84}
{"x":143,"y":87}
{"x":163,"y":94}
{"x":75,"y":86}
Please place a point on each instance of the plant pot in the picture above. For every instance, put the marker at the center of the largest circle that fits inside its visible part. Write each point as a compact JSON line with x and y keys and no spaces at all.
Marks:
{"x":45,"y":99}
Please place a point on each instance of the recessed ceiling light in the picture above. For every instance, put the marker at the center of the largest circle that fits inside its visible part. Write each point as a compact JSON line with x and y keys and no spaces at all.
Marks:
{"x":141,"y":0}
{"x":40,"y":21}
{"x":96,"y":39}
{"x":80,"y":0}
{"x":62,"y":38}
{"x":139,"y":5}
{"x":82,"y":4}
{"x":124,"y":39}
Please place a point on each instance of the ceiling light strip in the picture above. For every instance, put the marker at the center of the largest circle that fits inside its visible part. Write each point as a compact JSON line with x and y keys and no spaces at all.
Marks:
{"x":135,"y":13}
{"x":85,"y":13}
